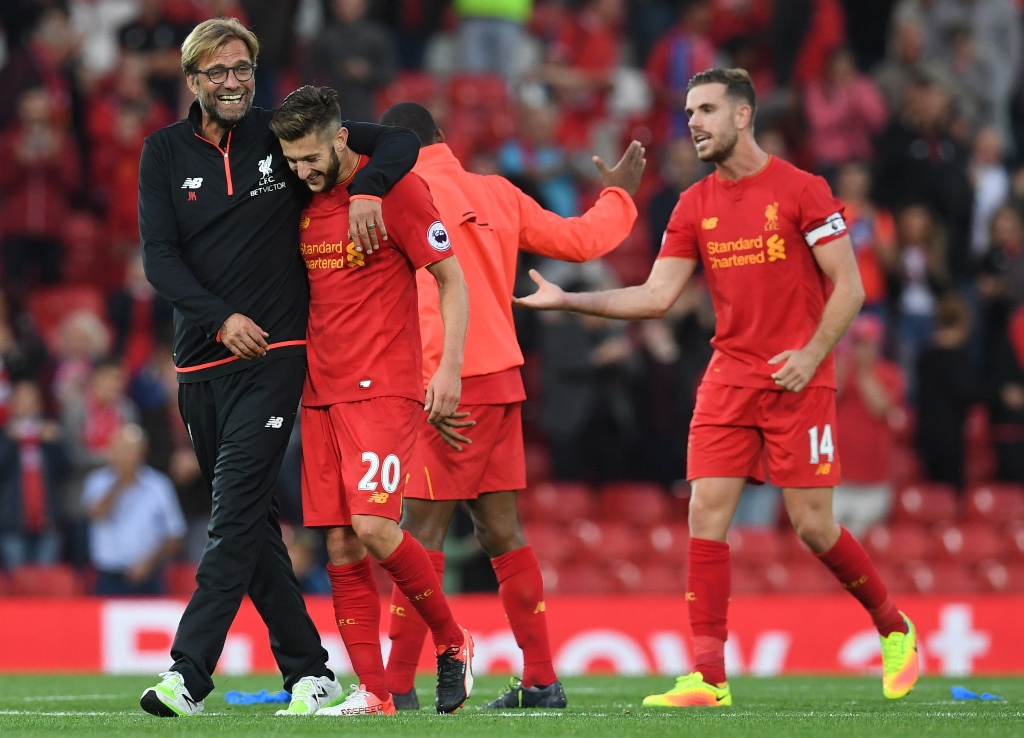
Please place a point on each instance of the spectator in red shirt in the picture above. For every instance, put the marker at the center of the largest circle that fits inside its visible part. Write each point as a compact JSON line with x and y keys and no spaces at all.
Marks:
{"x":140,"y":317}
{"x":118,"y":122}
{"x":47,"y":58}
{"x":32,"y":464}
{"x":38,"y":173}
{"x":681,"y":53}
{"x":870,"y":390}
{"x":580,"y":65}
{"x":844,"y":111}
{"x":1006,"y":401}
{"x":731,"y":19}
{"x":872,"y":231}
{"x":804,"y":33}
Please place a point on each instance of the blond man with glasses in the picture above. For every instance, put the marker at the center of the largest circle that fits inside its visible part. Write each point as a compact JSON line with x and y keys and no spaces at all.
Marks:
{"x":219,"y":214}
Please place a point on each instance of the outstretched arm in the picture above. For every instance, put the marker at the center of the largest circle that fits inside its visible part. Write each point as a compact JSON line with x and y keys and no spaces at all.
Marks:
{"x":652,"y":299}
{"x":599,"y":230}
{"x":836,"y":259}
{"x":445,"y":386}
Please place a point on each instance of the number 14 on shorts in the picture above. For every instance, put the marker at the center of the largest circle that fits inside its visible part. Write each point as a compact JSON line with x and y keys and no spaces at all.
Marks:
{"x":821,"y":445}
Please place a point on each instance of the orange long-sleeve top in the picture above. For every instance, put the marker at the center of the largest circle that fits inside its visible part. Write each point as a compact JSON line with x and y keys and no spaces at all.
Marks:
{"x":489,"y":221}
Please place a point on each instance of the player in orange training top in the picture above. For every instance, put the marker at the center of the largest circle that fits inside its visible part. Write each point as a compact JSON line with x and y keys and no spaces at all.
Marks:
{"x":363,"y":397}
{"x":771,"y":238}
{"x":493,"y":221}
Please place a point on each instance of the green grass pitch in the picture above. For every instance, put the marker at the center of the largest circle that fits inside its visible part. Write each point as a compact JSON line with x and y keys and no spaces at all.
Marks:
{"x":789,"y":707}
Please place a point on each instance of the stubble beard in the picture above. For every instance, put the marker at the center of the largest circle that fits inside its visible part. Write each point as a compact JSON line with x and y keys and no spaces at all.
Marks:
{"x":331,"y":173}
{"x":719,"y":154}
{"x":208,"y":102}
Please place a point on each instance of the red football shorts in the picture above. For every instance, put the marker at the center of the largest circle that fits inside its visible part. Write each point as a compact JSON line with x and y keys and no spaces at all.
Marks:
{"x":733,"y":427}
{"x":494,"y":462}
{"x":356,"y":458}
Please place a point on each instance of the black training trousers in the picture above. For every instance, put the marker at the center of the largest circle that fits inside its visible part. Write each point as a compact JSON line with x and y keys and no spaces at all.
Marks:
{"x":239,"y":426}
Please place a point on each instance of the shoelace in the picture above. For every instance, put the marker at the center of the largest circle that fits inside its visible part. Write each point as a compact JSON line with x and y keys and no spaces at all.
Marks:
{"x":892,"y":647}
{"x":303,"y":689}
{"x":512,"y":686}
{"x":173,"y":677}
{"x":449,"y":677}
{"x":356,"y":691}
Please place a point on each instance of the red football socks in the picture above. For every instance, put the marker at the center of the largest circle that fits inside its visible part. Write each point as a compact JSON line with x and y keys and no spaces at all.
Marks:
{"x":850,"y":564}
{"x":357,"y":614}
{"x":708,"y":584}
{"x":521,"y":588}
{"x":407,"y":632}
{"x":411,"y":570}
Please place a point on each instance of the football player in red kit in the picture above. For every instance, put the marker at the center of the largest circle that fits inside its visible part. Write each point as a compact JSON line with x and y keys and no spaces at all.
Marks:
{"x":785,"y":286}
{"x":364,"y":396}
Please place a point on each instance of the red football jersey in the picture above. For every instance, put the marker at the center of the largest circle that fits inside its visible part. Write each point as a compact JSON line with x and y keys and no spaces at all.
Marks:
{"x":364,"y":330}
{"x":755,"y":237}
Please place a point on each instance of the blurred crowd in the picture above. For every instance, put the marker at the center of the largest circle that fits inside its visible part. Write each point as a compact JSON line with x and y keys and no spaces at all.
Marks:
{"x":913,"y":110}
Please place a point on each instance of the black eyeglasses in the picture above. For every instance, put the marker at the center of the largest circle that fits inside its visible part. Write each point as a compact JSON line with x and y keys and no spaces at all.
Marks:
{"x":219,"y":75}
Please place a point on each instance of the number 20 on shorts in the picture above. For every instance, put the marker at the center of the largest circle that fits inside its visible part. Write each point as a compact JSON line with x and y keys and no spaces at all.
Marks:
{"x":819,"y":448}
{"x":390,"y":472}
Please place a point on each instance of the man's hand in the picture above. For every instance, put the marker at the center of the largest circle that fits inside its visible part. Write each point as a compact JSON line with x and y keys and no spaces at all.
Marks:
{"x":366,"y":225}
{"x":446,"y":428}
{"x":243,"y":338}
{"x":547,"y":297}
{"x":798,"y":367}
{"x":443,"y":394}
{"x":627,"y":173}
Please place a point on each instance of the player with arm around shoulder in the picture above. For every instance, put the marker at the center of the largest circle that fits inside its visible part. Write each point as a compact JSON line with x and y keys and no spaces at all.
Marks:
{"x":363,"y":395}
{"x":771,"y":238}
{"x":218,"y":224}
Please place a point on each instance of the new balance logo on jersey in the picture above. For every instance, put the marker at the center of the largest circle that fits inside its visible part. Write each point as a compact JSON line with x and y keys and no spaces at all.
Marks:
{"x":274,"y":422}
{"x":709,"y":224}
{"x":379,"y":497}
{"x":192,"y":183}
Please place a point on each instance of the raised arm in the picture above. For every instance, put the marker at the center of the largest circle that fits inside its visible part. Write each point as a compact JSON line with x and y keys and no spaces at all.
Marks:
{"x":837,"y":261}
{"x":393,"y":152}
{"x":161,"y":252}
{"x":445,"y":386}
{"x":599,"y":230}
{"x":652,"y":299}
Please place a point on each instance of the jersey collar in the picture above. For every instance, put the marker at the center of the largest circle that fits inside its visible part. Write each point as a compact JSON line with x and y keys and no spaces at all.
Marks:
{"x":749,"y":179}
{"x":438,"y":160}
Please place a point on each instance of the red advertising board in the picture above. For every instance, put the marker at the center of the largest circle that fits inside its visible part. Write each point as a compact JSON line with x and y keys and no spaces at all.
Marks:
{"x":599,"y":634}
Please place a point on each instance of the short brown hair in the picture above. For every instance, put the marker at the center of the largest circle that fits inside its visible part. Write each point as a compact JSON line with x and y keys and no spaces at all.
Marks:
{"x":209,"y":36}
{"x":307,"y":110}
{"x":738,"y":84}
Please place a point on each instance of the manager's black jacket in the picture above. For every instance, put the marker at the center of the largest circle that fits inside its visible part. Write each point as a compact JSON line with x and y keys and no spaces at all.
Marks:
{"x":219,"y":223}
